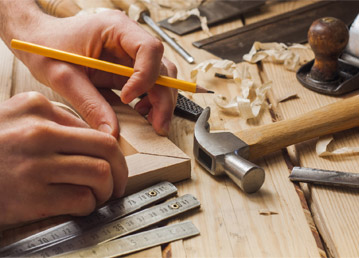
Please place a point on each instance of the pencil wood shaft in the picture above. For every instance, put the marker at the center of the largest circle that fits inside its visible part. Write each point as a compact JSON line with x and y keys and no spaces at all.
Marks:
{"x":99,"y":64}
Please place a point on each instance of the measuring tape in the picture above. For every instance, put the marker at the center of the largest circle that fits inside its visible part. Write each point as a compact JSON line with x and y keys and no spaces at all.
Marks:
{"x":139,"y":241}
{"x":121,"y":227}
{"x":112,"y":211}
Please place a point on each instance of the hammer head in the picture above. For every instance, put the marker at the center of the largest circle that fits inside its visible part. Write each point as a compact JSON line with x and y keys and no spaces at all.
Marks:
{"x":211,"y":148}
{"x":223,"y":153}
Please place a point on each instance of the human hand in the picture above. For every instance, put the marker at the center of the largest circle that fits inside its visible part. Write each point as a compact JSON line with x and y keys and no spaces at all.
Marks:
{"x":110,"y":36}
{"x":52,"y":163}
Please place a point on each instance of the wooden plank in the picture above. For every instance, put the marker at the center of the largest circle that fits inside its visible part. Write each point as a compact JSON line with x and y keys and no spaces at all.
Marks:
{"x":335,"y":210}
{"x":229,"y":221}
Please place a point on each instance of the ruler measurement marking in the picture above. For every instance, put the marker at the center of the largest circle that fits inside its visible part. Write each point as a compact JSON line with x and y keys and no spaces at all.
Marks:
{"x":108,"y":213}
{"x":139,"y":241}
{"x":122,"y":227}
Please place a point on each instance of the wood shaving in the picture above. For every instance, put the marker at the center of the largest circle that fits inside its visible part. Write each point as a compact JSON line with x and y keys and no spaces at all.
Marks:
{"x":183,"y":15}
{"x":287,"y":97}
{"x":66,"y":108}
{"x":275,"y":52}
{"x":322,"y":148}
{"x":92,"y":10}
{"x":267,"y":212}
{"x":252,"y":99}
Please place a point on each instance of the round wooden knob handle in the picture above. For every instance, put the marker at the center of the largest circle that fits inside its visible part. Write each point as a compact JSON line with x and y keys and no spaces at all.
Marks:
{"x":328,"y":37}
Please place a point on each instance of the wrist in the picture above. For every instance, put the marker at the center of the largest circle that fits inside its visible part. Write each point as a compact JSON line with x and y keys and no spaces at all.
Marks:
{"x":19,"y":19}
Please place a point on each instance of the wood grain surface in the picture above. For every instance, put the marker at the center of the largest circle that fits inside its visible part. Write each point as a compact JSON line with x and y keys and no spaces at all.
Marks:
{"x":282,"y":219}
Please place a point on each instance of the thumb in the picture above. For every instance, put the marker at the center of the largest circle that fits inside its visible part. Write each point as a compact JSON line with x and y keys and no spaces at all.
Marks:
{"x":74,"y":85}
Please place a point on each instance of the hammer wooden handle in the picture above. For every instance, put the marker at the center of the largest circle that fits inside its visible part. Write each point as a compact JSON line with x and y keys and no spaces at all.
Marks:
{"x":59,"y":8}
{"x":329,"y":119}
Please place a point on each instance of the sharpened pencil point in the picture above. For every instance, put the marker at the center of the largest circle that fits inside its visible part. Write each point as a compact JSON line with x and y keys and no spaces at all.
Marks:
{"x":200,"y":89}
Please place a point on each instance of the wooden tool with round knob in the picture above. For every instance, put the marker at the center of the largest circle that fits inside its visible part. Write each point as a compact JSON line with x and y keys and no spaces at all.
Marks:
{"x":327,"y":73}
{"x":327,"y":37}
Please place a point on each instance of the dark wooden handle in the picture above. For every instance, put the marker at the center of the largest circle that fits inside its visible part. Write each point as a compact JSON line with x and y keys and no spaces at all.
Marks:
{"x":59,"y":8}
{"x":327,"y":37}
{"x":335,"y":117}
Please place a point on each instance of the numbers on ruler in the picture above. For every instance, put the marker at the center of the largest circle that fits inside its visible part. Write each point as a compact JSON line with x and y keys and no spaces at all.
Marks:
{"x":118,"y":227}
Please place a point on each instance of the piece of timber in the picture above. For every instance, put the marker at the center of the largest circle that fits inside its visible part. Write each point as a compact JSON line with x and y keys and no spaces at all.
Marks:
{"x":290,"y":27}
{"x":215,"y":11}
{"x":324,"y":177}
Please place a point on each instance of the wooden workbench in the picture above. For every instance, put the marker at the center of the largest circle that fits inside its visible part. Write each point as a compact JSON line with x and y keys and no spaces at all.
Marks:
{"x":302,"y":220}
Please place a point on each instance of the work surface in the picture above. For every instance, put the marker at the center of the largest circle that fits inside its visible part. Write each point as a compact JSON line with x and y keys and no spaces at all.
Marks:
{"x":282,"y":219}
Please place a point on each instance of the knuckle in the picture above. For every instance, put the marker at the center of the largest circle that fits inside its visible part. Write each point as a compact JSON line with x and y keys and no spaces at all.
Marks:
{"x":111,"y":143}
{"x":35,"y":101}
{"x":37,"y":131}
{"x":84,"y":202}
{"x":155,"y":45}
{"x":61,"y":74}
{"x":103,"y":171}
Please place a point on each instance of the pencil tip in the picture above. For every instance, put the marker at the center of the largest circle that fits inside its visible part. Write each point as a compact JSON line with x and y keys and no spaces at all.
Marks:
{"x":200,"y":89}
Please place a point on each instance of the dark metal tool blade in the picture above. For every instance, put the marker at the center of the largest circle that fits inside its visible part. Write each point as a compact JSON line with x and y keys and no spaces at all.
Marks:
{"x":215,"y":11}
{"x":291,"y":27}
{"x":185,"y":108}
{"x":324,"y":177}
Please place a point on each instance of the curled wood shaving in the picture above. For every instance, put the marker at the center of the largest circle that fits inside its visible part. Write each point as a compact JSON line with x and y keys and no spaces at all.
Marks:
{"x":322,"y":148}
{"x":183,"y":15}
{"x":287,"y":97}
{"x":92,"y":10}
{"x":66,"y":108}
{"x":275,"y":52}
{"x":252,"y":98}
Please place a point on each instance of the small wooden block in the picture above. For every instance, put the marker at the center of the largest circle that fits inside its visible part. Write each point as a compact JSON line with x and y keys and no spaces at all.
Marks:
{"x":150,"y":158}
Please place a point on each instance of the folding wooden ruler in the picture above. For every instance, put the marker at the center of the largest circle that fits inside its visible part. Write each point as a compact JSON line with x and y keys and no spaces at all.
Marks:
{"x":110,"y":222}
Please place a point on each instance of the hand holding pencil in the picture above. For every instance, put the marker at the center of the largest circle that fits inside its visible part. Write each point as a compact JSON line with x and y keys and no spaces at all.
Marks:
{"x":109,"y":36}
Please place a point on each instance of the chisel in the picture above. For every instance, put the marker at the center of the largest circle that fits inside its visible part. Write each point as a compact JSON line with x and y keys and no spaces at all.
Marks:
{"x":324,"y":177}
{"x":144,"y":16}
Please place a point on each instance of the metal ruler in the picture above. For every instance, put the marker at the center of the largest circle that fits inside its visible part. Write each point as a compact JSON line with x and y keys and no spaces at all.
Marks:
{"x":139,"y":241}
{"x":121,"y":227}
{"x":114,"y":210}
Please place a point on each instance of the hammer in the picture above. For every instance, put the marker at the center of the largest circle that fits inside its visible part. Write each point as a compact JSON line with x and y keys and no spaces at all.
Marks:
{"x":231,"y":154}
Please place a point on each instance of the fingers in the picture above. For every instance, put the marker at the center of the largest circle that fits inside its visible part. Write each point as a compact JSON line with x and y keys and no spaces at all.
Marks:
{"x":160,"y":102}
{"x":79,"y":170}
{"x":108,"y":159}
{"x":36,"y":104}
{"x":61,"y":199}
{"x":146,"y":51}
{"x":83,"y":96}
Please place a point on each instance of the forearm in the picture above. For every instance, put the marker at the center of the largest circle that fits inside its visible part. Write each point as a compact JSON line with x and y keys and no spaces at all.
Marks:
{"x":18,"y":19}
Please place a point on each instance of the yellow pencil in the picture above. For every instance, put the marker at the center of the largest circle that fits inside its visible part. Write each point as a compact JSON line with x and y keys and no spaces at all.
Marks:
{"x":102,"y":65}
